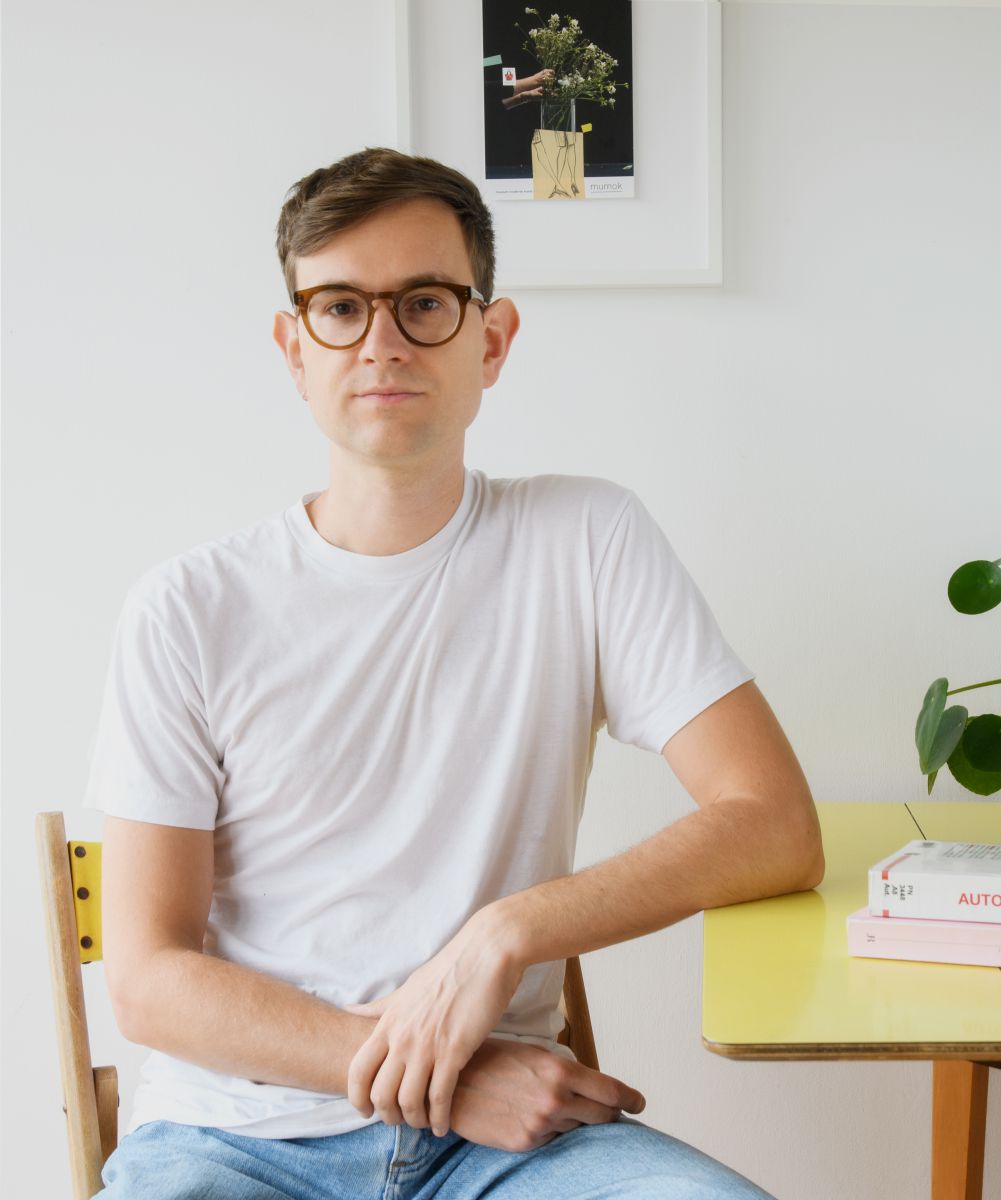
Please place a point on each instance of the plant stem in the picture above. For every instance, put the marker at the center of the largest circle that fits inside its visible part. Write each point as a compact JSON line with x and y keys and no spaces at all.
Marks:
{"x":970,"y":687}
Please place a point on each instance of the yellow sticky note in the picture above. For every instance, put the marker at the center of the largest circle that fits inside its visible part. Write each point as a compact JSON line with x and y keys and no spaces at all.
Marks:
{"x":585,"y":128}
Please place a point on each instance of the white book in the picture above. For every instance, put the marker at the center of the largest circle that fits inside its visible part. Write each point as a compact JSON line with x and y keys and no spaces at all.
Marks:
{"x":946,"y":881}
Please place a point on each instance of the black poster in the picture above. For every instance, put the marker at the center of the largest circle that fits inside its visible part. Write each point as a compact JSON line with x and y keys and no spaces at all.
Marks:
{"x":557,"y":100}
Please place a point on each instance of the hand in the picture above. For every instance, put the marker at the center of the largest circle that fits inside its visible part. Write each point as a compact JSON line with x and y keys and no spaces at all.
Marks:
{"x":522,"y":98}
{"x":533,"y":81}
{"x":429,"y":1028}
{"x":516,"y":1096}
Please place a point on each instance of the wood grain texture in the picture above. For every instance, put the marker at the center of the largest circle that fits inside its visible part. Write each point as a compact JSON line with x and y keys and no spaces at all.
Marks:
{"x":959,"y":1122}
{"x":71,"y":1018}
{"x":577,"y":1034}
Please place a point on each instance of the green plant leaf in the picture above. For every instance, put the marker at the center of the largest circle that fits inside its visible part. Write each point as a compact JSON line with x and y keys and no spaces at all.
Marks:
{"x":982,"y":743}
{"x":947,"y":736}
{"x":931,"y":781}
{"x":981,"y":783}
{"x":928,"y":721}
{"x":975,"y":587}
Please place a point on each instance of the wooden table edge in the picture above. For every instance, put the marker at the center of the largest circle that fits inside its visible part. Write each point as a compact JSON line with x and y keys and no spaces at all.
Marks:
{"x":988,"y":1053}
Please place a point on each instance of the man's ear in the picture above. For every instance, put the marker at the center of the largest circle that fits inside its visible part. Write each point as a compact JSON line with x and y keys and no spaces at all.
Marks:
{"x":286,"y":334}
{"x":500,"y":323}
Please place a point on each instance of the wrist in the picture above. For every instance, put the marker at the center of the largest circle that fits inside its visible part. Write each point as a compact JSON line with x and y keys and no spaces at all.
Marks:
{"x":498,"y":926}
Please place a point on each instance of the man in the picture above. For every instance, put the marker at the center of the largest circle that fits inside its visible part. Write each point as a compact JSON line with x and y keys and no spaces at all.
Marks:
{"x":343,"y":754}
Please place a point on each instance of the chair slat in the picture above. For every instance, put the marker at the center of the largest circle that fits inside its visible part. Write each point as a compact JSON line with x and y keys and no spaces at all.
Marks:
{"x":579,"y":1035}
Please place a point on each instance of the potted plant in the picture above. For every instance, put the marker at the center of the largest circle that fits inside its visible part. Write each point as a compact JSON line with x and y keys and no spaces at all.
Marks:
{"x":969,"y":746}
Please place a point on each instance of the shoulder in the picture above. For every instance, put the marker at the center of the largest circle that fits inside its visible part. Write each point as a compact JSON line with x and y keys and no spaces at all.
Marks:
{"x":560,"y":498}
{"x":210,"y":577}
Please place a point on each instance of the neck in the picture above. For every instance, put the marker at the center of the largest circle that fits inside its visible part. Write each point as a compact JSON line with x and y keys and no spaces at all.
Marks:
{"x":374,"y":509}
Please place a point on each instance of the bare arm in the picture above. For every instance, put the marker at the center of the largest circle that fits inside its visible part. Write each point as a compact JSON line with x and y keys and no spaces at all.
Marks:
{"x":754,"y":834}
{"x":168,"y":995}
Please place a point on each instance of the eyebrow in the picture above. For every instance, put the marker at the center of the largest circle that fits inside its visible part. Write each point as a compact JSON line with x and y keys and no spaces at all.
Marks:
{"x":425,"y":277}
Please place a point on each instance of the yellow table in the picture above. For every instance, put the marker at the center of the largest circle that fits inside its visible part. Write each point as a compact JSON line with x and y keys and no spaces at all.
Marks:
{"x":779,"y":983}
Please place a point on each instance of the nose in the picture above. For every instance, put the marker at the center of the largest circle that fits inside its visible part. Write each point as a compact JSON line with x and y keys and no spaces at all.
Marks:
{"x":384,"y":342}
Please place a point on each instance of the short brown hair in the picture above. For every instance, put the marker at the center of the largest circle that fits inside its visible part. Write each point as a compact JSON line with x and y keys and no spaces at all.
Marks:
{"x":336,"y":197}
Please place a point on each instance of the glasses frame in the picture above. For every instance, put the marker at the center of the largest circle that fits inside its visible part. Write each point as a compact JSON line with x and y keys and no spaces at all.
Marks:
{"x":464,"y":293}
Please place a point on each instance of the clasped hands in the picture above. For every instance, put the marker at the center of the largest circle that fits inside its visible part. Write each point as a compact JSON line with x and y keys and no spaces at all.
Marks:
{"x":431,"y":1035}
{"x":429,"y":1029}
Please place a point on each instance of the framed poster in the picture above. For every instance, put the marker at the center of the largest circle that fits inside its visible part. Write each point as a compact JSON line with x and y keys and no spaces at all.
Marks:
{"x":669,"y":232}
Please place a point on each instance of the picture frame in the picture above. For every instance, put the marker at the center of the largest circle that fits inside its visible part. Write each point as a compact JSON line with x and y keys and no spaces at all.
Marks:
{"x":671,"y":234}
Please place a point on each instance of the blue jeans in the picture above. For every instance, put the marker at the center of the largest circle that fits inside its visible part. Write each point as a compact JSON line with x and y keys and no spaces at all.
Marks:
{"x":166,"y":1161}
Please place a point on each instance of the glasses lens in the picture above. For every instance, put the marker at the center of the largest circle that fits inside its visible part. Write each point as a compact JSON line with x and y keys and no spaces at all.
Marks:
{"x":429,"y":314}
{"x":337,"y":317}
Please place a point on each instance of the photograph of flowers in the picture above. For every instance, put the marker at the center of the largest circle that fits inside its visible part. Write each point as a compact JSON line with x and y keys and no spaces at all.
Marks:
{"x":557,"y":104}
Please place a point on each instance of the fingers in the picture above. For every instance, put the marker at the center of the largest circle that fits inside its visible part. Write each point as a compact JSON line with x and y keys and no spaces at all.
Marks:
{"x":440,"y":1093}
{"x":578,"y":1110}
{"x":418,"y":1091}
{"x":384,"y":1091}
{"x":606,"y":1090}
{"x":412,"y":1093}
{"x":362,"y":1072}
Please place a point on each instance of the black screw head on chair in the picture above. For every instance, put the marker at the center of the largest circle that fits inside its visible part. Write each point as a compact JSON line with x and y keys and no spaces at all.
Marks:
{"x":80,"y":851}
{"x":86,"y":942}
{"x":82,"y":893}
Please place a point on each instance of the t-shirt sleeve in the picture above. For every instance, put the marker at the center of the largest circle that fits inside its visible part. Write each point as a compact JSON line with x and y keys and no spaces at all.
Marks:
{"x":662,"y":657}
{"x":152,"y":757}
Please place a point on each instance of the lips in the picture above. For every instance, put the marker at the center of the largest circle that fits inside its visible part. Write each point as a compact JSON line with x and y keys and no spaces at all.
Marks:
{"x":388,"y":395}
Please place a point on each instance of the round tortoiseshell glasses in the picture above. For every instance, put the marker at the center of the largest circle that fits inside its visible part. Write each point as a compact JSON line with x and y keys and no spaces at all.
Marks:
{"x":427,"y":314}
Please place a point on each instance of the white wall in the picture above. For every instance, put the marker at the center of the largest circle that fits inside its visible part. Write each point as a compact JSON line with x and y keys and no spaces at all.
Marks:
{"x":818,"y":438}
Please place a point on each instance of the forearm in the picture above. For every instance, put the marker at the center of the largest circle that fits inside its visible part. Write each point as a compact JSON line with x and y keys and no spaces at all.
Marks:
{"x":723,"y":853}
{"x":240,"y":1022}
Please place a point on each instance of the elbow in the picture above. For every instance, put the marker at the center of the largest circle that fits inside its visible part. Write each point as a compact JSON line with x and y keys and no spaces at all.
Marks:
{"x":126,"y":1004}
{"x":128,"y":1016}
{"x":135,"y":991}
{"x":814,"y":875}
{"x":810,"y":859}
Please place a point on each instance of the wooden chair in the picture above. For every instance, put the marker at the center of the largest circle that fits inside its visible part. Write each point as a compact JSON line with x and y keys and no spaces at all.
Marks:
{"x":71,"y":886}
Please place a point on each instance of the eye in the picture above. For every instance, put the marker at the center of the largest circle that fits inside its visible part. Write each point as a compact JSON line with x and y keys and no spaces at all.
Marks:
{"x":341,"y":308}
{"x":424,"y":303}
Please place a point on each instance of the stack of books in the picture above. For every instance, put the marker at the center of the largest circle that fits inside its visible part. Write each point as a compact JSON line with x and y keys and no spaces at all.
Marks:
{"x":933,"y":902}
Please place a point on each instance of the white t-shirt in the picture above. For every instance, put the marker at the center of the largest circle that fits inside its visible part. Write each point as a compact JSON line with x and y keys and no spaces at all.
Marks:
{"x":385,"y":744}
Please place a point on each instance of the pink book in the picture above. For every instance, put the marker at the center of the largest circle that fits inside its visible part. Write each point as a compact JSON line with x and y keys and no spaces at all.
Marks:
{"x":977,"y":943}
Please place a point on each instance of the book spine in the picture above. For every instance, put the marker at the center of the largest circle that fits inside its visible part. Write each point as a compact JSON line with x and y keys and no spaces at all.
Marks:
{"x":897,"y":892}
{"x":866,"y":942}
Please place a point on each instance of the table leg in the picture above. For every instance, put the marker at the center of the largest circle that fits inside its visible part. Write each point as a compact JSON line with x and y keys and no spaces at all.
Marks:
{"x":959,"y":1122}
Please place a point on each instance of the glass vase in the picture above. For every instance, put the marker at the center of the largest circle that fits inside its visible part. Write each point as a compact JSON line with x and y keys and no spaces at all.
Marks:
{"x":558,"y":113}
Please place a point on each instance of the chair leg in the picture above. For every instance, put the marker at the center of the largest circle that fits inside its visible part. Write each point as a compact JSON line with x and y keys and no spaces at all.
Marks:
{"x":959,"y":1122}
{"x":106,"y":1092}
